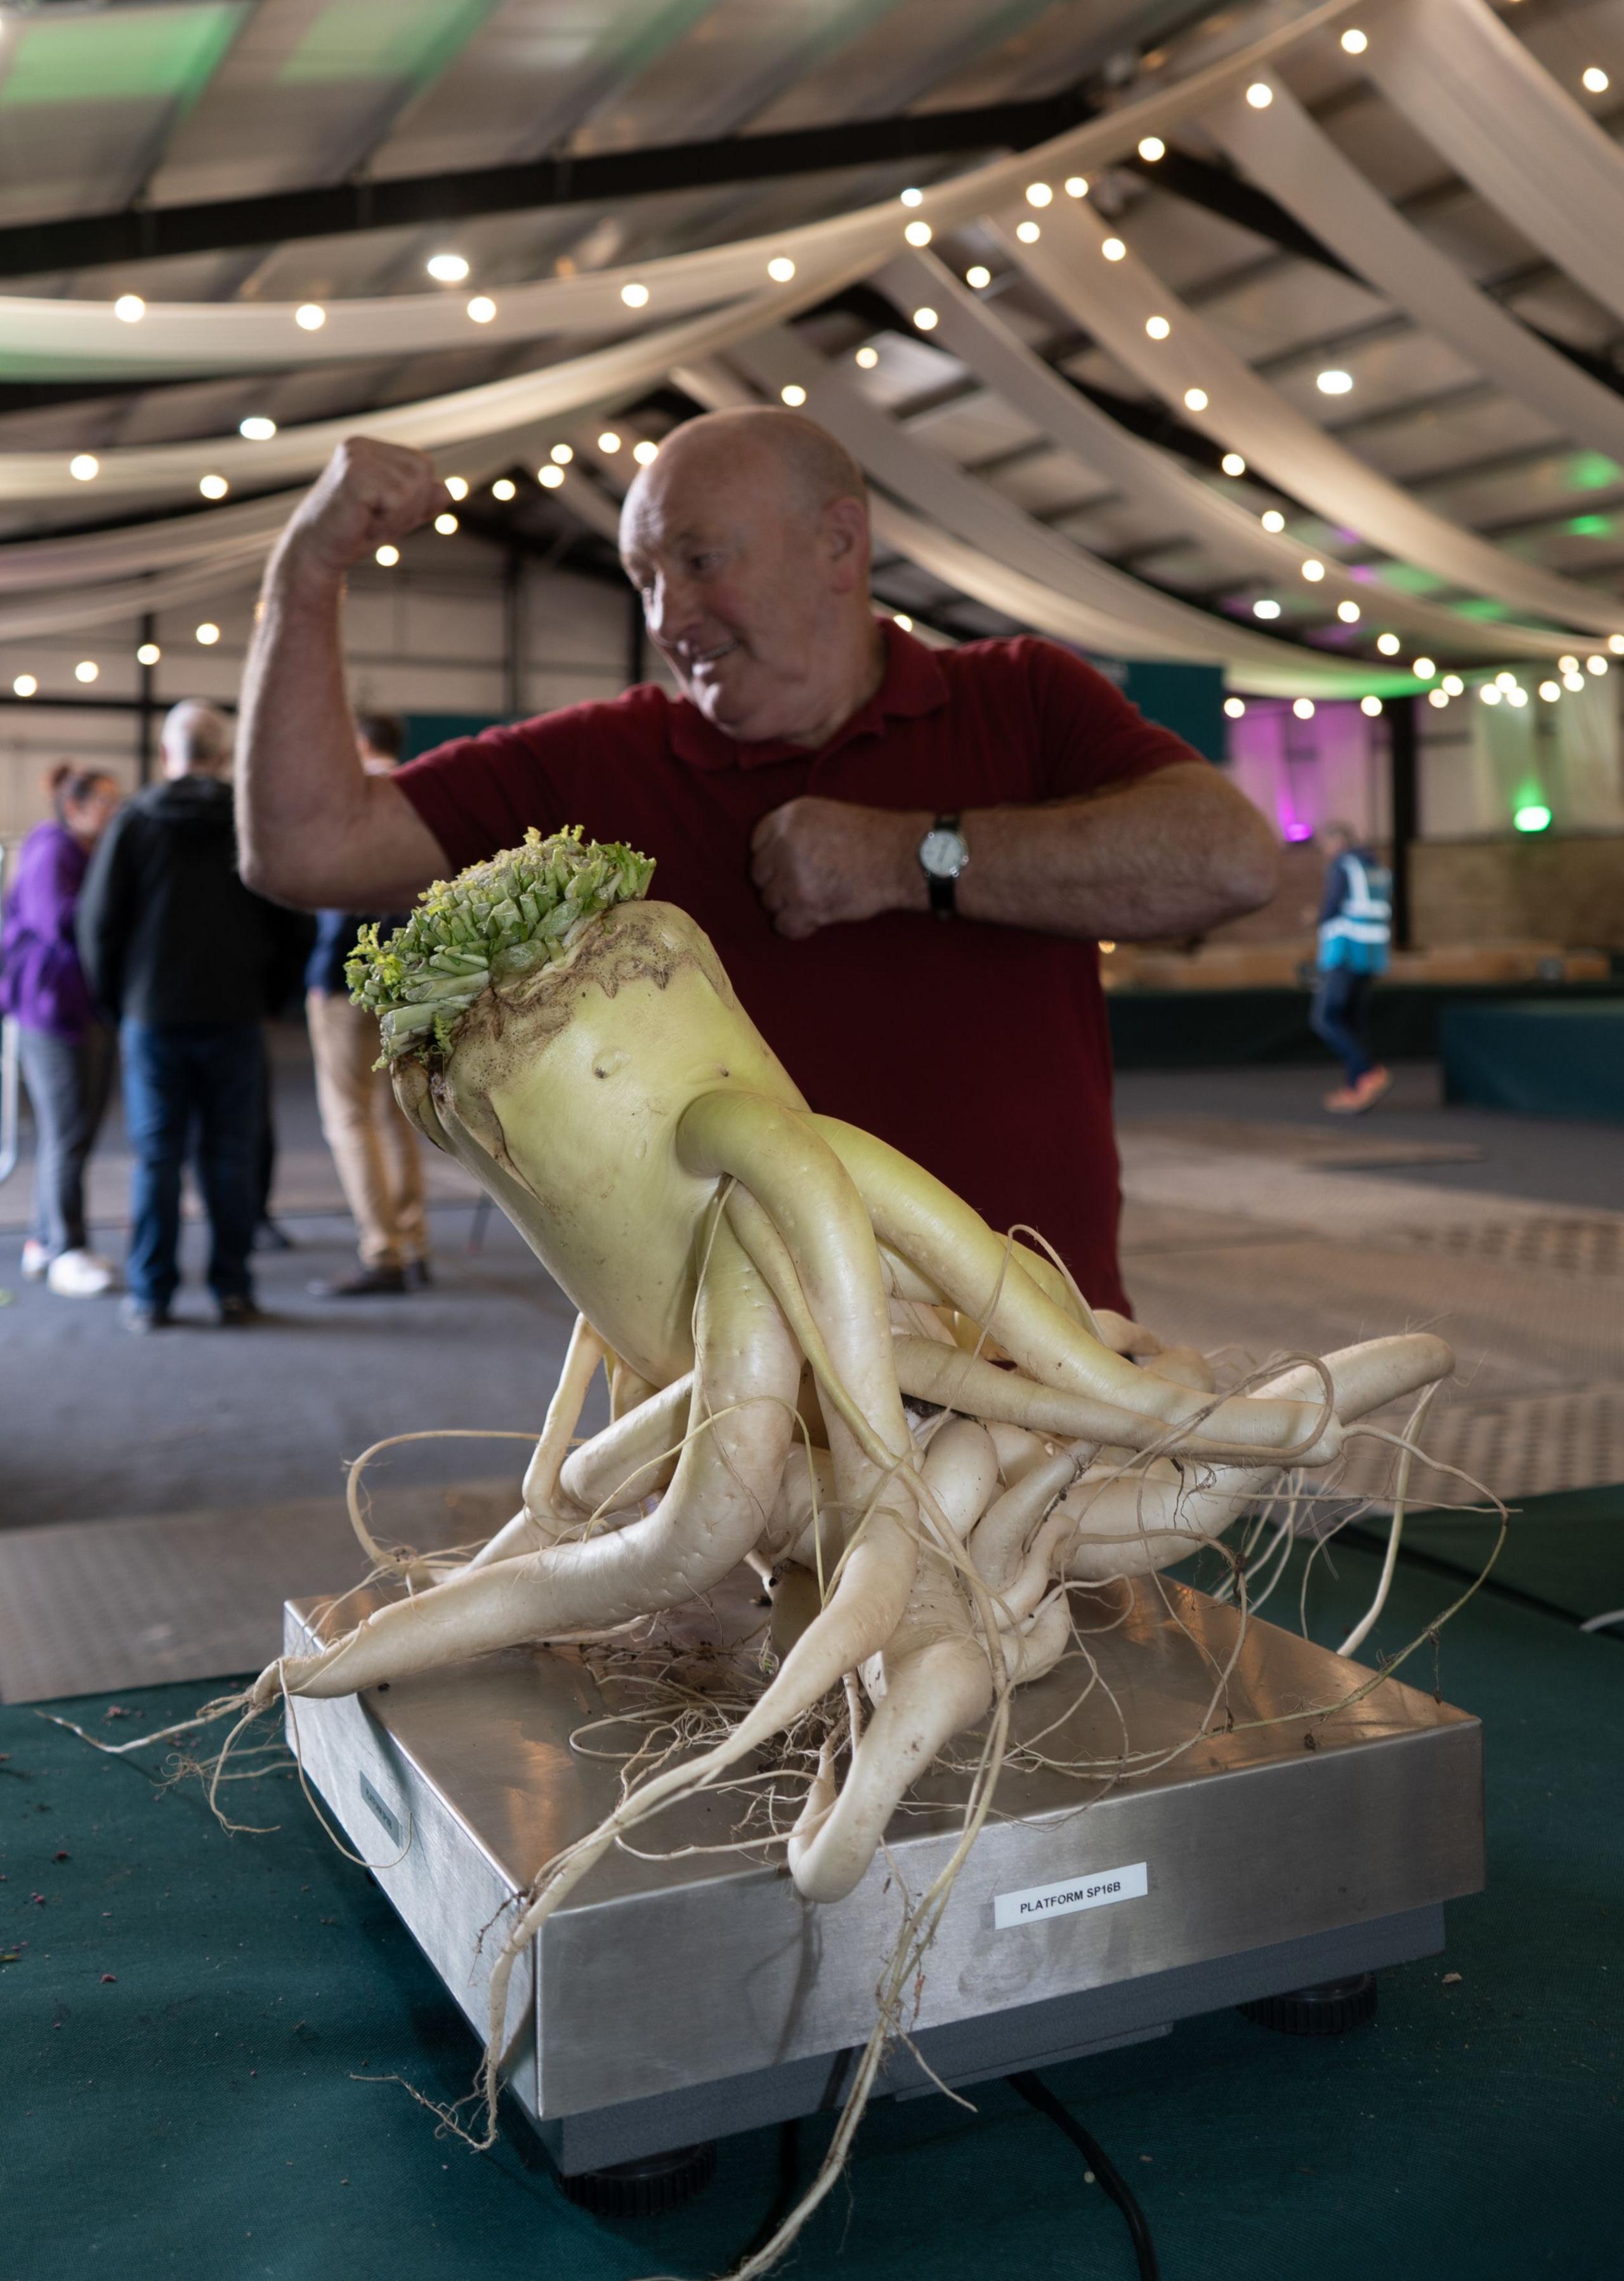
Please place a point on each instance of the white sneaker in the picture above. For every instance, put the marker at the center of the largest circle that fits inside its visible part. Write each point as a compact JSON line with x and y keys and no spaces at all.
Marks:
{"x":35,"y":1260}
{"x":80,"y":1275}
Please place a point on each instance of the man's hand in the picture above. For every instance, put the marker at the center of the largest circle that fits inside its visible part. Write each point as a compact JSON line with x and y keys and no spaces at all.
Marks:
{"x":369,"y":492}
{"x":818,"y":863}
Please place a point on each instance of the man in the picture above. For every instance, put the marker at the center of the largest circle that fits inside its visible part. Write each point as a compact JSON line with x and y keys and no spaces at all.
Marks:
{"x":187,"y":961}
{"x":1356,"y":923}
{"x":375,"y":1150}
{"x":821,"y":791}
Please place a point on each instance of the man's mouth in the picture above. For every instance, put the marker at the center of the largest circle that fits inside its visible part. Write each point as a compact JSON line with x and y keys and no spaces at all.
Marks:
{"x":700,"y":658}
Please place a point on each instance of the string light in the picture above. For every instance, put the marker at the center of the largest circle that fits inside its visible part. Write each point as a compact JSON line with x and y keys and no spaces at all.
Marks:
{"x":1028,"y":232}
{"x":646,"y":452}
{"x":1272,"y":519}
{"x":1423,"y":668}
{"x":386,"y":557}
{"x":256,"y":428}
{"x":1594,"y":80}
{"x":310,"y":316}
{"x":1573,"y":680}
{"x":867,"y":358}
{"x":926,"y":320}
{"x":634,"y":296}
{"x":1452,"y":685}
{"x":1266,"y":608}
{"x":447,"y":268}
{"x":87,"y":669}
{"x":912,"y":198}
{"x":1157,"y":327}
{"x":1354,"y":42}
{"x":1334,"y":382}
{"x":1549,"y":691}
{"x":1505,"y":680}
{"x":608,"y":441}
{"x":1388,"y":645}
{"x":1489,"y":695}
{"x":1233,"y":464}
{"x":1348,"y":613}
{"x":1615,"y":642}
{"x":208,"y":633}
{"x":446,"y":524}
{"x":1076,"y":186}
{"x":1313,"y":570}
{"x":1303,"y":707}
{"x":482,"y":308}
{"x":1260,"y":94}
{"x":793,"y":394}
{"x":977,"y":275}
{"x":1195,"y":399}
{"x":148,"y":653}
{"x":1567,"y":665}
{"x":25,"y":685}
{"x":1235,"y":707}
{"x":549,"y":477}
{"x":1039,"y":194}
{"x":84,"y":467}
{"x":1113,"y":249}
{"x":900,"y":618}
{"x":1533,"y":816}
{"x":561,"y":454}
{"x":1517,"y":696}
{"x":212,"y":487}
{"x":1596,"y":665}
{"x":1437,"y":696}
{"x":781,"y":268}
{"x":129,"y":308}
{"x":1370,"y":706}
{"x":917,"y":233}
{"x":1152,"y":148}
{"x":504,"y":489}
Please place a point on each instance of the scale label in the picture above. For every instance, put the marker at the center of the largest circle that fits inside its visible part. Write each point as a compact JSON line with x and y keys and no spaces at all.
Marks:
{"x":391,"y":1821}
{"x":1095,"y":1889}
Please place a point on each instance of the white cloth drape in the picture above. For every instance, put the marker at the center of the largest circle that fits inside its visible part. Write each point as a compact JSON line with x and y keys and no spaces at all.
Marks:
{"x":1285,"y":153}
{"x":128,"y":597}
{"x":1465,"y":82}
{"x":29,"y":564}
{"x":1112,"y":300}
{"x":995,"y":354}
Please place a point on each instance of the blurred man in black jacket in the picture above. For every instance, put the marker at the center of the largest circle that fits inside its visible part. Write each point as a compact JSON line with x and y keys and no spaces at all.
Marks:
{"x":188,"y":962}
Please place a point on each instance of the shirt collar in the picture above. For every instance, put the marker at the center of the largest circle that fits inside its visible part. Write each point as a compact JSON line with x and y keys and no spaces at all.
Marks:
{"x":914,"y":684}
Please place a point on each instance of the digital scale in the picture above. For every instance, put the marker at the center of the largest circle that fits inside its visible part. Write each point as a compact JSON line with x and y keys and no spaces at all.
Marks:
{"x":671,"y":2001}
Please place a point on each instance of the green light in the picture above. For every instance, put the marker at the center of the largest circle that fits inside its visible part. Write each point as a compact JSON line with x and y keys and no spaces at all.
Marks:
{"x":1591,"y":526}
{"x":1592,"y":471}
{"x":1534,"y":817}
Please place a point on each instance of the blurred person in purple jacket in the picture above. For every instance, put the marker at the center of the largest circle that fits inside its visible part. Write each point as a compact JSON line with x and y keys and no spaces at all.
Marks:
{"x":65,"y":1048}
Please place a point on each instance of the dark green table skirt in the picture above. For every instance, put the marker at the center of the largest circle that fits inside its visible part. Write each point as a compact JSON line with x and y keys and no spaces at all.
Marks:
{"x":1550,"y":1057}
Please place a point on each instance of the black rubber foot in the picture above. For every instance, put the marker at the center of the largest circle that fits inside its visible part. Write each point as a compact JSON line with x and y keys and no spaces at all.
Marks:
{"x":1329,"y":2009}
{"x":646,"y":2189}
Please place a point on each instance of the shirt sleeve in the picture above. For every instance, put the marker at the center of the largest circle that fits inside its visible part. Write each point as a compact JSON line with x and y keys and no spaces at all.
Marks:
{"x":1335,"y":892}
{"x":1088,"y":735}
{"x":480,"y":794}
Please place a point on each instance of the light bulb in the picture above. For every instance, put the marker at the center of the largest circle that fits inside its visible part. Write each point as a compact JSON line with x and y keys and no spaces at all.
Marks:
{"x":1195,"y":399}
{"x":1151,"y":148}
{"x":1549,"y":691}
{"x":1040,"y":194}
{"x":634,"y":296}
{"x":646,"y":452}
{"x":1489,"y":695}
{"x":1157,"y":327}
{"x":792,"y":394}
{"x":482,"y":308}
{"x":129,"y":308}
{"x":84,"y":467}
{"x":1235,"y":707}
{"x":458,"y":486}
{"x":1267,"y":607}
{"x":1076,"y":186}
{"x":608,"y":441}
{"x":1272,"y":519}
{"x":1596,"y":80}
{"x":549,"y":477}
{"x":1615,"y":642}
{"x":1113,"y":249}
{"x":1596,"y":665}
{"x":1423,"y":668}
{"x":25,"y":685}
{"x":1260,"y":94}
{"x":446,"y":524}
{"x":1303,"y":707}
{"x":781,"y":268}
{"x":1388,"y":645}
{"x":1334,"y":382}
{"x":1452,"y":685}
{"x":1573,"y":681}
{"x":1348,"y":613}
{"x":911,"y":197}
{"x":900,"y":618}
{"x":925,"y":319}
{"x":867,"y":358}
{"x":310,"y":316}
{"x":504,"y":489}
{"x":1371,"y":706}
{"x":1313,"y":570}
{"x":1567,"y":665}
{"x":917,"y":233}
{"x":1233,"y":464}
{"x":1506,"y":681}
{"x":448,"y":268}
{"x":978,"y":276}
{"x":208,"y":633}
{"x":562,"y":453}
{"x":1516,"y":696}
{"x":1028,"y":232}
{"x":1354,"y":42}
{"x":1438,"y":697}
{"x":256,"y":428}
{"x":148,"y":653}
{"x":387,"y":556}
{"x":212,"y":487}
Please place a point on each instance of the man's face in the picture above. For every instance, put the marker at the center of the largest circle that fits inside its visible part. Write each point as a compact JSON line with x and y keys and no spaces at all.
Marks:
{"x":746,"y":592}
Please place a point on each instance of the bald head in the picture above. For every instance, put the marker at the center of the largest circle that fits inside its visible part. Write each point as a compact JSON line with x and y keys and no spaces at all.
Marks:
{"x":196,"y":739}
{"x":747,"y":539}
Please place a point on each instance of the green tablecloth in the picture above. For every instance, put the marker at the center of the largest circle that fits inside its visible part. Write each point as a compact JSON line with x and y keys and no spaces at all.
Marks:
{"x":1547,"y":1057}
{"x":199,"y":2114}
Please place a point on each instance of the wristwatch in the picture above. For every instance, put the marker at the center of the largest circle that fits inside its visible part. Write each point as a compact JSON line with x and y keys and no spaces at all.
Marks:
{"x":943,"y":856}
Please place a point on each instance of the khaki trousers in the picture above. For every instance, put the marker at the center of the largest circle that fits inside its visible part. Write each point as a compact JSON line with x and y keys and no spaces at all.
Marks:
{"x":375,"y":1150}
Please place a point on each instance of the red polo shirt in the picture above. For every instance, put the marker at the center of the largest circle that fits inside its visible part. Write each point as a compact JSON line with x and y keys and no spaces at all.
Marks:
{"x":981,"y":1051}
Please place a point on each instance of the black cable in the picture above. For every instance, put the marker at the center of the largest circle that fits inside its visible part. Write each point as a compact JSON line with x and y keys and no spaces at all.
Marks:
{"x":1037,"y":2094}
{"x":785,"y":2195}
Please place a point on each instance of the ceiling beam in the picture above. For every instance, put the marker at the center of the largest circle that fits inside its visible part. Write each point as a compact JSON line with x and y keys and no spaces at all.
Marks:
{"x":156,"y":233}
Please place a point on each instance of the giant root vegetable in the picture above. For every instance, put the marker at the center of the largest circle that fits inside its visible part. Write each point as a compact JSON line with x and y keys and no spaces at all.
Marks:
{"x":821,"y":1358}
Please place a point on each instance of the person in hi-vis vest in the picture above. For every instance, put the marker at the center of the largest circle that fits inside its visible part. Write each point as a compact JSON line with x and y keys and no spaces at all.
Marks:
{"x":1356,"y":929}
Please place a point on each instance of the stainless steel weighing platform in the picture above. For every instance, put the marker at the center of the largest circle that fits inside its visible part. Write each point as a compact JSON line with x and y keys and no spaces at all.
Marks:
{"x":678,"y":1999}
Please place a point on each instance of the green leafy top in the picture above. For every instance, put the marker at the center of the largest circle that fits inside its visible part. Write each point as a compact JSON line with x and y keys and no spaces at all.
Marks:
{"x":516,"y":912}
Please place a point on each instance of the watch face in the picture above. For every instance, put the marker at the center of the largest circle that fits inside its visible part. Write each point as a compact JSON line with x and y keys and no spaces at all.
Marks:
{"x":943,"y":854}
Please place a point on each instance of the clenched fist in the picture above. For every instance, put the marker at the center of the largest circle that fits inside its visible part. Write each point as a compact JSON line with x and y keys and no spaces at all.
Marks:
{"x":369,"y":492}
{"x":818,"y":863}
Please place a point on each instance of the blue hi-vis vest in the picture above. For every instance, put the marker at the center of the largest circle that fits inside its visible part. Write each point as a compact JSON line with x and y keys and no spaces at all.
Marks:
{"x":1358,"y":931}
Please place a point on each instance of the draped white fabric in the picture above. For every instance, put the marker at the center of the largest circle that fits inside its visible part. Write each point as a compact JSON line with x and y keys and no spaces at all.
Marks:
{"x":1465,"y":82}
{"x":1112,"y":299}
{"x":128,"y":597}
{"x":41,"y":337}
{"x":997,"y":357}
{"x":245,"y":530}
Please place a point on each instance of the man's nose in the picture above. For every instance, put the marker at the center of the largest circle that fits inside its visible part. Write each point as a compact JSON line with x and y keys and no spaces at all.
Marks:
{"x":669,"y":610}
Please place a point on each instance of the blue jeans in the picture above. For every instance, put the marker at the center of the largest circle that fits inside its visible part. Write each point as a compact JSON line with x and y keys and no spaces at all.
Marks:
{"x":192,"y":1087}
{"x":1341,"y":1016}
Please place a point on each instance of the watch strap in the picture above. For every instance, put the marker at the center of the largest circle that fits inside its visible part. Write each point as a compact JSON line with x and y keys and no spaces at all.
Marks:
{"x":944,"y":892}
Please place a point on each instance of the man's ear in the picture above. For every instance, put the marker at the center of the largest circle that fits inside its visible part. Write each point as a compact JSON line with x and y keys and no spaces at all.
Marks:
{"x":844,"y":544}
